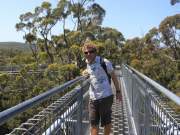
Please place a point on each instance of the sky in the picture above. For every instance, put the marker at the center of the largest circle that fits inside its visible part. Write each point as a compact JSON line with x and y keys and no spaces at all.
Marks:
{"x":133,"y":18}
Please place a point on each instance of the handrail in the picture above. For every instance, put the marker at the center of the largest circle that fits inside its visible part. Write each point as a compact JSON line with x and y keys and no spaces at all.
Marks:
{"x":11,"y":112}
{"x":160,"y":88}
{"x":148,"y":111}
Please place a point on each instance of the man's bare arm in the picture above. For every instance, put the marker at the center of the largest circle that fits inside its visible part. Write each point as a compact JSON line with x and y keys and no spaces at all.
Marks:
{"x":117,"y":85}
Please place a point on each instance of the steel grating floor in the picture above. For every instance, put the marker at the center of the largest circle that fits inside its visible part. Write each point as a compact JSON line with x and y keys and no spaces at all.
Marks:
{"x":119,"y":119}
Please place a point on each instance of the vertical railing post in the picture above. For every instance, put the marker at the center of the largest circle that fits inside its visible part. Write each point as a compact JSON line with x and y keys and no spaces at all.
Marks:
{"x":79,"y":111}
{"x":132,"y":94}
{"x":147,"y":112}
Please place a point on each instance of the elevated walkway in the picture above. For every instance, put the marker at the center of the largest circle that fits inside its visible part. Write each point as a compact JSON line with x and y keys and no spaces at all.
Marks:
{"x":120,"y":124}
{"x":144,"y":109}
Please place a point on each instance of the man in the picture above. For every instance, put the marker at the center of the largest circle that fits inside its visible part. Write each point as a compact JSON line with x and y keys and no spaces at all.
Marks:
{"x":101,"y":96}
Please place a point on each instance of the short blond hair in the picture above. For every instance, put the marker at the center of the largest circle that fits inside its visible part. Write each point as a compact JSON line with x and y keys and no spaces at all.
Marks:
{"x":89,"y":46}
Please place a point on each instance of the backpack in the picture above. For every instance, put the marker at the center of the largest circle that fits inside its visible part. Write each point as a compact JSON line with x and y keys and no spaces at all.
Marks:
{"x":103,"y":64}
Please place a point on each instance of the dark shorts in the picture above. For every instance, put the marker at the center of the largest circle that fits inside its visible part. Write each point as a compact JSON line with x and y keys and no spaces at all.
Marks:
{"x":100,"y":110}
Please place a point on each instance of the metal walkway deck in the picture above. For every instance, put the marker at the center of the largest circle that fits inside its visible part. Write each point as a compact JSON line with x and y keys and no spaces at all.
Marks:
{"x":120,"y":124}
{"x":142,"y":110}
{"x":119,"y":120}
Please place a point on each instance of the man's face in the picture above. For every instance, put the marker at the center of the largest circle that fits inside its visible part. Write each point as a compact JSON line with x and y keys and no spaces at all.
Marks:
{"x":90,"y":54}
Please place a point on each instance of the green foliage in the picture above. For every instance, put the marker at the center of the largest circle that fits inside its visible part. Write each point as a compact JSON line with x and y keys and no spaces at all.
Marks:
{"x":69,"y":71}
{"x":169,"y":29}
{"x":52,"y":72}
{"x":42,"y":86}
{"x":75,"y":49}
{"x":43,"y":56}
{"x":136,"y":63}
{"x":157,"y":53}
{"x":62,"y":56}
{"x":4,"y":79}
{"x":61,"y":73}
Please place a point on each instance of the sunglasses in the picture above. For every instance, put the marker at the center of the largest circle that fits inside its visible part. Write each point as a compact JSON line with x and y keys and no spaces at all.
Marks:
{"x":92,"y":51}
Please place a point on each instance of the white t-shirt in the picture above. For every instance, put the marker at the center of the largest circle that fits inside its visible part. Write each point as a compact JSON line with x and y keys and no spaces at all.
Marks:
{"x":99,"y":83}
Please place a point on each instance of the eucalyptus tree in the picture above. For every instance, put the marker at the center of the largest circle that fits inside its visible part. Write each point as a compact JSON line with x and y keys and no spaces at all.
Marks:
{"x":86,"y":13}
{"x":87,"y":16}
{"x":91,"y":22}
{"x":93,"y":18}
{"x":82,"y":13}
{"x":170,"y":31}
{"x":113,"y":35}
{"x":152,"y":44}
{"x":136,"y":47}
{"x":153,"y":54}
{"x":111,"y":42}
{"x":153,"y":37}
{"x":38,"y":26}
{"x":173,"y":2}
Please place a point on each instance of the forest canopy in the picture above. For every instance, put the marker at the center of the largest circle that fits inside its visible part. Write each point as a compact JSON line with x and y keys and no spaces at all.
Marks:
{"x":58,"y":57}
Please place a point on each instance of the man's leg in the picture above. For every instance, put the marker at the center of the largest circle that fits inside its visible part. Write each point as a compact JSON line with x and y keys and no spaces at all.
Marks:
{"x":94,"y":130}
{"x":105,"y":112}
{"x":107,"y":129}
{"x":94,"y":117}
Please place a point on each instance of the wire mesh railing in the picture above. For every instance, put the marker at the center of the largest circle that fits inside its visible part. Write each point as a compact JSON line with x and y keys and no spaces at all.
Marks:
{"x":148,"y":107}
{"x":64,"y":116}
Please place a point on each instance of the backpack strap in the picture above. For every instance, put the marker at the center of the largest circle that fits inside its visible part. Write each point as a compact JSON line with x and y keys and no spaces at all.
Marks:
{"x":103,"y":64}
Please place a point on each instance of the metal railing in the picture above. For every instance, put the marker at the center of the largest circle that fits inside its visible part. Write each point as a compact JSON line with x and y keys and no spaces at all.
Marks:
{"x":148,"y":107}
{"x":67,"y":115}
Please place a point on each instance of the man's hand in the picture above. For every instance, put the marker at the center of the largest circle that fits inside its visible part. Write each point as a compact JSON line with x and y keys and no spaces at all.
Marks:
{"x":85,"y":73}
{"x":118,"y":96}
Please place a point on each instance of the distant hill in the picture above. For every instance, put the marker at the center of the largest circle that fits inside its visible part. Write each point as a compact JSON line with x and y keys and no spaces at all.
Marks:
{"x":14,"y":46}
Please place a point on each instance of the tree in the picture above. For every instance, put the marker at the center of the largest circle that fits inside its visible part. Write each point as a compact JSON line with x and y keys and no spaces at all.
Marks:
{"x":39,"y":23}
{"x":173,"y":2}
{"x":170,"y":30}
{"x":113,"y":35}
